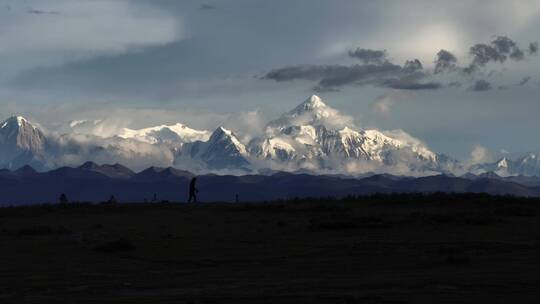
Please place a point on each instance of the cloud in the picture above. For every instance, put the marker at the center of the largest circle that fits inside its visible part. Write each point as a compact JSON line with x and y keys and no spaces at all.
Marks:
{"x":483,"y":53}
{"x":445,"y":61}
{"x":410,"y":83}
{"x":107,"y":119}
{"x":377,"y":70}
{"x":481,"y":85}
{"x":406,"y":138}
{"x":332,"y":77}
{"x":524,"y":80}
{"x":247,"y":124}
{"x":412,"y":147}
{"x":42,"y":12}
{"x":106,"y":127}
{"x":75,"y":30}
{"x":384,"y":103}
{"x":499,"y":50}
{"x":480,"y":155}
{"x":533,"y":48}
{"x":505,"y":45}
{"x":368,"y":56}
{"x":207,"y":7}
{"x":412,"y":66}
{"x":75,"y":149}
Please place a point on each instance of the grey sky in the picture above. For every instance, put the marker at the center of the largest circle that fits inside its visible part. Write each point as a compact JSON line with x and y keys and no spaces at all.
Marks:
{"x":200,"y":62}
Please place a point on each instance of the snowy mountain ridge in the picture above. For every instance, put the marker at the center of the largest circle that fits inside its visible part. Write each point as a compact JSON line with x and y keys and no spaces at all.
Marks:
{"x":171,"y":134}
{"x":21,"y":143}
{"x":312,"y":137}
{"x":527,"y":164}
{"x":316,"y":136}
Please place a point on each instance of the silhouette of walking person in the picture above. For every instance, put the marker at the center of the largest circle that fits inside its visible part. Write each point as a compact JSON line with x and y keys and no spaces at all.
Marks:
{"x":112,"y":200}
{"x":193,"y":190}
{"x":63,"y":199}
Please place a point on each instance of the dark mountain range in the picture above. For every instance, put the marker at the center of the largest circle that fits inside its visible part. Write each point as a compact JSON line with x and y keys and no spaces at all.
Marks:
{"x":529,"y":181}
{"x":95,"y":183}
{"x":113,"y":171}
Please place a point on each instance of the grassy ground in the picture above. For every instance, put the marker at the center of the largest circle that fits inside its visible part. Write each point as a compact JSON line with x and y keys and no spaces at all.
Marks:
{"x":395,"y":249}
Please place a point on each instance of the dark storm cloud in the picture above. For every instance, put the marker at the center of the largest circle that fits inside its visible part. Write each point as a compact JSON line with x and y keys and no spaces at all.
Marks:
{"x":410,"y":84}
{"x":481,"y":85}
{"x":445,"y":61}
{"x":332,"y":77}
{"x":504,"y":44}
{"x":377,"y":70}
{"x":482,"y":54}
{"x":335,"y":75}
{"x":412,"y":66}
{"x":499,"y":50}
{"x":517,"y":54}
{"x":368,"y":56}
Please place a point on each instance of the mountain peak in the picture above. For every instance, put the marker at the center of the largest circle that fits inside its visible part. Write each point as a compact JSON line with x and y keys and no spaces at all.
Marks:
{"x":503,"y":163}
{"x":15,"y":121}
{"x":222,"y":150}
{"x":89,"y":165}
{"x":222,"y":130}
{"x":222,"y":134}
{"x":310,"y":104}
{"x":25,"y":170}
{"x":315,"y":101}
{"x":313,"y":112}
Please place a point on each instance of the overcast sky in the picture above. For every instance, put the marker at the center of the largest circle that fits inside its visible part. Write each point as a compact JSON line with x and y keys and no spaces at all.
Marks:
{"x":138,"y":63}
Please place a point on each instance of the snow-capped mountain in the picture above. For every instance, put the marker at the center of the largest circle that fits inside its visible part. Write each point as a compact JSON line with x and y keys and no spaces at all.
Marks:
{"x":177,"y":134}
{"x":223,"y":150}
{"x":315,"y":136}
{"x":312,"y":137}
{"x":527,"y":164}
{"x":21,"y":143}
{"x":174,"y":135}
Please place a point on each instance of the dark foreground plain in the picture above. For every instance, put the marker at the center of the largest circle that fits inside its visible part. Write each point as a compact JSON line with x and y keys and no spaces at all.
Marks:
{"x":380,"y":249}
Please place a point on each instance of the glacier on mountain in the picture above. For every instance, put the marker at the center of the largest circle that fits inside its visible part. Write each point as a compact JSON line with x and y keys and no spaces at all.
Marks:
{"x":176,"y":135}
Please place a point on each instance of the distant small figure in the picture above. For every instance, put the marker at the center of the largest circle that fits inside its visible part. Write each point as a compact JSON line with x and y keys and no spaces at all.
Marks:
{"x":237,"y":200}
{"x":63,"y":199}
{"x":112,"y":200}
{"x":193,"y":190}
{"x":154,"y":200}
